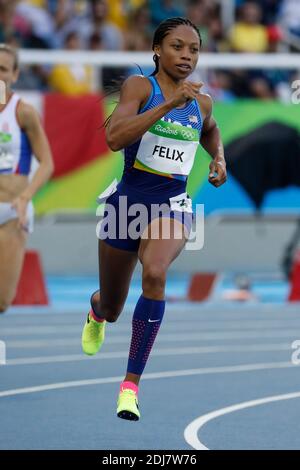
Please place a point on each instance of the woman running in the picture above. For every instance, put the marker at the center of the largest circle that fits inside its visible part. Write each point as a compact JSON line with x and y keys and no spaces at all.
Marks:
{"x":21,"y":134}
{"x":158,"y":122}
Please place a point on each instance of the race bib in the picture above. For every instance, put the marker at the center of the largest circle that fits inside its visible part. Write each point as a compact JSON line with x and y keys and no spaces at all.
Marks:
{"x":168,"y":149}
{"x":182,"y":202}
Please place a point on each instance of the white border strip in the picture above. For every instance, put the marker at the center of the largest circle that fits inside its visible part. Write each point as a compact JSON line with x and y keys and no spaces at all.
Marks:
{"x":155,"y":353}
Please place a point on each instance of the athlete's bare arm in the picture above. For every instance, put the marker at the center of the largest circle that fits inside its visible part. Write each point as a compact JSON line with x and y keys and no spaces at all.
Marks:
{"x":29,"y":121}
{"x":211,"y":141}
{"x":126,"y":126}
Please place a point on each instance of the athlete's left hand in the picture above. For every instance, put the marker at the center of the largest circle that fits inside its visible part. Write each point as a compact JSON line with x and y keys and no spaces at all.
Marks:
{"x":20,"y":204}
{"x":217,"y":175}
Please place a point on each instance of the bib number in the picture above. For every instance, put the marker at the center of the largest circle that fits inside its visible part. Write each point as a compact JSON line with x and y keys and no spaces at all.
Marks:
{"x":182,"y":203}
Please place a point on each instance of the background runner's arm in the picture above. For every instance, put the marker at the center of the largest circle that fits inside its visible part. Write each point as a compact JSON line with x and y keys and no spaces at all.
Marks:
{"x":30,"y":122}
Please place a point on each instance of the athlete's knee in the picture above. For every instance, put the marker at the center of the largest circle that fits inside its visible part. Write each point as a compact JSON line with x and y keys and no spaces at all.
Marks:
{"x":154,"y":276}
{"x":95,"y":302}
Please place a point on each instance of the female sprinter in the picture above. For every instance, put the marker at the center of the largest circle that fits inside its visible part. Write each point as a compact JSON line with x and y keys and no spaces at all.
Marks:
{"x":158,"y":122}
{"x":20,"y":134}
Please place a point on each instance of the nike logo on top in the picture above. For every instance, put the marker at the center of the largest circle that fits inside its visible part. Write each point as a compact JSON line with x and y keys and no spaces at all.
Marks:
{"x":152,"y":321}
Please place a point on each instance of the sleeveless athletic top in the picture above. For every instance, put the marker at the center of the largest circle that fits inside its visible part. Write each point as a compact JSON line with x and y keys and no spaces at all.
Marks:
{"x":15,"y":149}
{"x":157,"y":166}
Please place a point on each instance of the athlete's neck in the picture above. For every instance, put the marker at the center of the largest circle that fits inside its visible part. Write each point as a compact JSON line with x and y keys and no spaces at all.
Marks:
{"x":167,"y":84}
{"x":167,"y":81}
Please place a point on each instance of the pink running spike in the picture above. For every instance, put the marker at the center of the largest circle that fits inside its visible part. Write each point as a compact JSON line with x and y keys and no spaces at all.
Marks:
{"x":129,"y":385}
{"x":94,"y":317}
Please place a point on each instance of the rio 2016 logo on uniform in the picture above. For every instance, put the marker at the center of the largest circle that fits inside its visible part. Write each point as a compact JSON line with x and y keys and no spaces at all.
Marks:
{"x":2,"y":92}
{"x":166,"y":130}
{"x":187,"y":134}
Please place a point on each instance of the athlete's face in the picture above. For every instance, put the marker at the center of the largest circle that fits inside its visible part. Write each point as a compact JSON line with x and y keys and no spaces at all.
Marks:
{"x":8,"y":73}
{"x":179,"y":51}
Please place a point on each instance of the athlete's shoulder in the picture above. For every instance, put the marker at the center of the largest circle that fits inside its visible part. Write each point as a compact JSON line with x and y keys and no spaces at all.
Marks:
{"x":136,"y":88}
{"x":26,"y":114}
{"x":137,"y":80}
{"x":137,"y":83}
{"x":206,"y":103}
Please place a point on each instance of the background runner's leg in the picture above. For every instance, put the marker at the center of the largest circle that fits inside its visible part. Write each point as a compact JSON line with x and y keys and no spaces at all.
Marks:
{"x":12,"y":249}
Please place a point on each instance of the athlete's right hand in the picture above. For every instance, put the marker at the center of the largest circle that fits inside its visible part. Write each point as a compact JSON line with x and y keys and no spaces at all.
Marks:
{"x":20,"y":205}
{"x":185,"y":92}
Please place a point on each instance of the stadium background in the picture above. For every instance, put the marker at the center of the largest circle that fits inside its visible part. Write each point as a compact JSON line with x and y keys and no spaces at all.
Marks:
{"x":243,"y":100}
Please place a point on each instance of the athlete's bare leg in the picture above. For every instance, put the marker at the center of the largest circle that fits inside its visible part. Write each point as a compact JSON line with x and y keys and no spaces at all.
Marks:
{"x":156,"y":255}
{"x":12,"y":249}
{"x":115,"y":272}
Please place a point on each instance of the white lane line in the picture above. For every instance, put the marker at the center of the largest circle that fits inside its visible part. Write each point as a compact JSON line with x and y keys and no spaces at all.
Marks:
{"x":170,"y":325}
{"x":176,"y":307}
{"x":155,"y":352}
{"x":163,"y":337}
{"x":150,"y":376}
{"x":203,"y":317}
{"x":192,"y":430}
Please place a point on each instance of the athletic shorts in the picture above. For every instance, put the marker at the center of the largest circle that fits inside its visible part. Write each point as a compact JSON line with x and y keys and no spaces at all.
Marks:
{"x":7,"y":213}
{"x":123,"y":220}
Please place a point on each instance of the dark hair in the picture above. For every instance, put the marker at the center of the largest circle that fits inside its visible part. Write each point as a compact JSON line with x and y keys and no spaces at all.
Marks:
{"x":163,"y":30}
{"x":95,"y":37}
{"x":12,"y":51}
{"x":160,"y":33}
